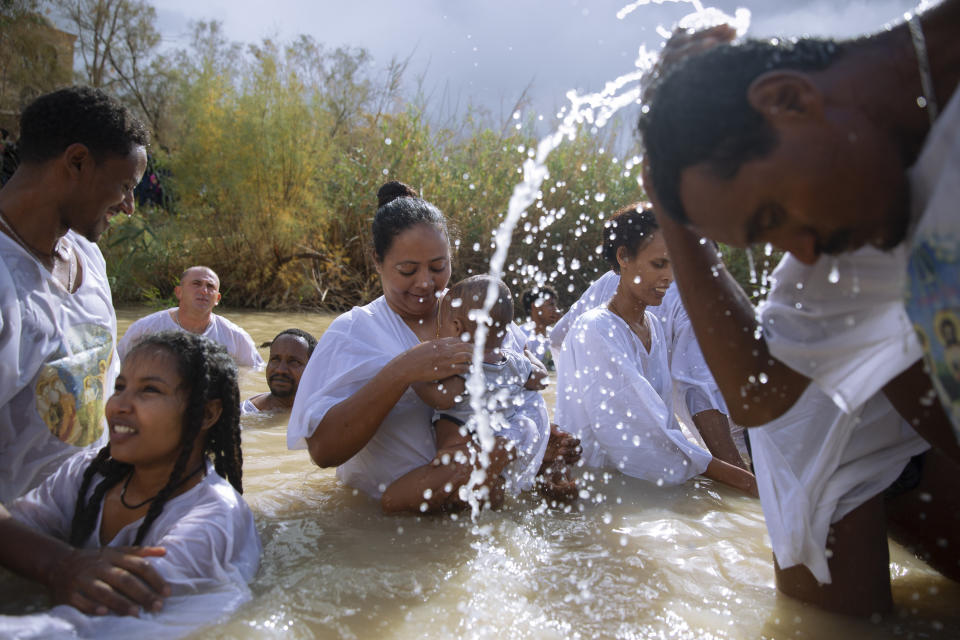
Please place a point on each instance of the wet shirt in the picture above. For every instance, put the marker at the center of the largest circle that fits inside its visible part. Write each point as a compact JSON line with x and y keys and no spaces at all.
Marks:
{"x":932,"y":295}
{"x":618,"y":399}
{"x":235,"y":340}
{"x":57,"y":363}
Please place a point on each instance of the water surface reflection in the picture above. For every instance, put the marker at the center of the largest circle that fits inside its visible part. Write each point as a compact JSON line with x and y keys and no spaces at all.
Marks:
{"x":645,"y":562}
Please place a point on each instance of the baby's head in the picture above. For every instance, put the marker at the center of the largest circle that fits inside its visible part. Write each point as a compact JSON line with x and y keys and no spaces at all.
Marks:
{"x":458,"y":307}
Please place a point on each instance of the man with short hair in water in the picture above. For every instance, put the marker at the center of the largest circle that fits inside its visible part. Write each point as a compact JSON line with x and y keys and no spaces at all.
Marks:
{"x":821,"y":147}
{"x":81,"y":155}
{"x":198,"y":293}
{"x":289,"y":353}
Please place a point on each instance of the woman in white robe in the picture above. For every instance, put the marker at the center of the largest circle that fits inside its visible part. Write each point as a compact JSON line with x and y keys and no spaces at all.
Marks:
{"x":696,"y":398}
{"x":614,"y":387}
{"x":169,"y":482}
{"x":357,"y":408}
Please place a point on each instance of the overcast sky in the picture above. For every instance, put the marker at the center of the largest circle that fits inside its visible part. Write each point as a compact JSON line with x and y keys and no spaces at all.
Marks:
{"x":488,"y":51}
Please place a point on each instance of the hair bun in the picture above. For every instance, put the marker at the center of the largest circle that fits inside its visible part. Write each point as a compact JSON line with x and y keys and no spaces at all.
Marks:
{"x":392,"y":190}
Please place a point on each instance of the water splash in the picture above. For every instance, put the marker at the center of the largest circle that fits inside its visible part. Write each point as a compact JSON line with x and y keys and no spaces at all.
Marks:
{"x":595,"y":109}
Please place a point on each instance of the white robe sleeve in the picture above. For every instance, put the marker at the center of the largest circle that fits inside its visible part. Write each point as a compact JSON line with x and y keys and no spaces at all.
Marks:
{"x":621,"y":419}
{"x":340,"y":365}
{"x":601,"y":290}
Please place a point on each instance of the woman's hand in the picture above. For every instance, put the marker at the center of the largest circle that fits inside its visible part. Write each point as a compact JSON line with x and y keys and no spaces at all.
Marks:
{"x":111,"y":579}
{"x":435,"y":360}
{"x":561,"y":446}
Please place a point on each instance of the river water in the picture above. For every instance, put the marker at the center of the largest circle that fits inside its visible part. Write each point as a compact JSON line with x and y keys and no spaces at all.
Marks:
{"x":646,"y":562}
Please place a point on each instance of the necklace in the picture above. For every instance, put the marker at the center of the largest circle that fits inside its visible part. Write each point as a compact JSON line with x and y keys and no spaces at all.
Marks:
{"x":126,"y":483}
{"x":928,"y":100}
{"x":40,"y":255}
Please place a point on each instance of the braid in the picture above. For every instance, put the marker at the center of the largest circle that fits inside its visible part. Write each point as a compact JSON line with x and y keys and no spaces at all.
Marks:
{"x":223,"y":440}
{"x":85,"y":513}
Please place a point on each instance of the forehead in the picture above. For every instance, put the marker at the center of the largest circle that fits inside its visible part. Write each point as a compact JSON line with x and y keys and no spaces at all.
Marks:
{"x":128,"y":167}
{"x":717,"y":208}
{"x":289,"y":345}
{"x":422,"y":242}
{"x":201,"y":274}
{"x":150,"y":360}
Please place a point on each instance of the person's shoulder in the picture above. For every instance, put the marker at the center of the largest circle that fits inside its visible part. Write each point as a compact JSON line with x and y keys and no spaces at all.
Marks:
{"x":149,"y":319}
{"x":228,"y":324}
{"x":360,"y":316}
{"x":597,"y":317}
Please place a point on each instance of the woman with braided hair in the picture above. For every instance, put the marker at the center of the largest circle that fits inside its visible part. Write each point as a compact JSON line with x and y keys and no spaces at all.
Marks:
{"x":169,"y":478}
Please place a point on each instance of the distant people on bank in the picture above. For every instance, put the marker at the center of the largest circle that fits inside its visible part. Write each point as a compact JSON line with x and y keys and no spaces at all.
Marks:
{"x":198,"y":293}
{"x":355,"y":409}
{"x":614,"y":388}
{"x":81,"y":154}
{"x":289,"y":353}
{"x":170,"y":478}
{"x":506,"y":374}
{"x":9,"y":158}
{"x":540,"y":306}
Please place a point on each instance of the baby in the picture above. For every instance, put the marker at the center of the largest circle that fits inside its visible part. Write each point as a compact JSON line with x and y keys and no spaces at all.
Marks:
{"x":506,"y":372}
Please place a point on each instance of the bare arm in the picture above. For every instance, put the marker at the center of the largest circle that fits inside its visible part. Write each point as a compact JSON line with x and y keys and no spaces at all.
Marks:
{"x":756,"y":386}
{"x":912,"y":395}
{"x":434,"y":487}
{"x":440,"y":394}
{"x":714,"y":428}
{"x":95,"y":581}
{"x":347,"y":427}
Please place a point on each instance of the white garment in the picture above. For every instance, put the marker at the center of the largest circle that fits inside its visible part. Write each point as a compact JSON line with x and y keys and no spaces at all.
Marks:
{"x":618,"y":399}
{"x":693,"y":385}
{"x":57,"y":363}
{"x":837,"y":446}
{"x":537,"y":344}
{"x":851,"y":336}
{"x":237,"y":342}
{"x":816,"y":463}
{"x":694,"y":388}
{"x":354,"y":349}
{"x":248,"y":407}
{"x":933,"y":291}
{"x":599,"y":291}
{"x":212,"y":548}
{"x":504,"y":382}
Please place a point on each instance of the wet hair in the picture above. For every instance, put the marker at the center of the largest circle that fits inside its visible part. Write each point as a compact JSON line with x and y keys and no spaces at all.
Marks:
{"x":631,"y":227}
{"x":400,"y":208}
{"x":699,"y":112}
{"x":84,"y":115}
{"x":299,"y":333}
{"x":207,"y":373}
{"x":472,"y":292}
{"x":540,"y":292}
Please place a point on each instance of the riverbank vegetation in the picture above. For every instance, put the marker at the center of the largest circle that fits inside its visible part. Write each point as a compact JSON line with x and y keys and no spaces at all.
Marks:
{"x":267,"y":158}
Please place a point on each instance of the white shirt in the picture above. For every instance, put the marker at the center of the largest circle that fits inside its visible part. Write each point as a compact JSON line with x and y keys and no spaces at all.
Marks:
{"x":213,"y":551}
{"x":237,"y":342}
{"x":354,"y":349}
{"x":618,"y":399}
{"x":57,"y":363}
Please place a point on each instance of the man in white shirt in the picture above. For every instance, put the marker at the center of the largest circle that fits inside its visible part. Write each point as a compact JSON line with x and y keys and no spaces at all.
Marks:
{"x":198,"y":293}
{"x":82,"y":153}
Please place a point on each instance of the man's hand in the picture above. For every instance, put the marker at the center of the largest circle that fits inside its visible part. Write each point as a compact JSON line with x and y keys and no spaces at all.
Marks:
{"x":112,"y":579}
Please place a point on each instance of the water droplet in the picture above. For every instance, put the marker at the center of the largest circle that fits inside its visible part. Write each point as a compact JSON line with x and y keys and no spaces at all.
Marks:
{"x":834,"y":275}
